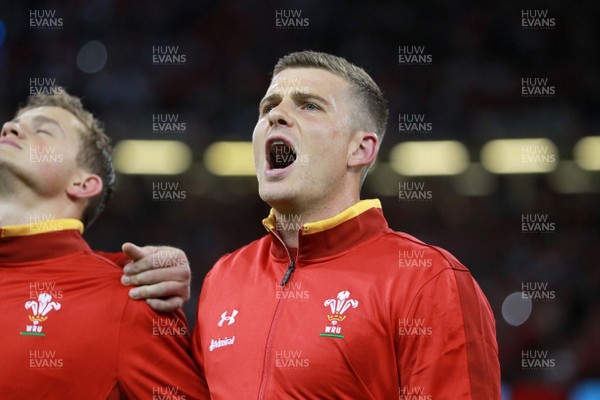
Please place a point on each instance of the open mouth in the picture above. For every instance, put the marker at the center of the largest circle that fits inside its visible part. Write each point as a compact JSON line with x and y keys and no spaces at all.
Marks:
{"x":280,"y":154}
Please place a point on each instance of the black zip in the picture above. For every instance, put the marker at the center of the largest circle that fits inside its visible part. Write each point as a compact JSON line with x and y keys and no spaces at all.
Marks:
{"x":288,"y":273}
{"x":292,"y":267}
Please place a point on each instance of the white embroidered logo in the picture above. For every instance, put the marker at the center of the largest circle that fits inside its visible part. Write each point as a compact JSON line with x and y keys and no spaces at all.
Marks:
{"x":229,"y":318}
{"x":39,"y":310}
{"x":338,"y":307}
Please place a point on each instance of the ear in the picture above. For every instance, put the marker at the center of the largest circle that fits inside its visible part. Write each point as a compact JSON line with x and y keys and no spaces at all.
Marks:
{"x":363,"y":149}
{"x":84,"y":186}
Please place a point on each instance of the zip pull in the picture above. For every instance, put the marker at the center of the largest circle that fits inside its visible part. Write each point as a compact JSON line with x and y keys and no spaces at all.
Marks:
{"x":288,"y":273}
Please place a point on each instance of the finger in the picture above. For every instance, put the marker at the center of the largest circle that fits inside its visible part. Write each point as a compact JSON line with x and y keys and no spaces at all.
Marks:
{"x":153,"y":276}
{"x":156,"y":258}
{"x":145,"y":263}
{"x":166,"y":305}
{"x":136,"y":252}
{"x":162,"y":289}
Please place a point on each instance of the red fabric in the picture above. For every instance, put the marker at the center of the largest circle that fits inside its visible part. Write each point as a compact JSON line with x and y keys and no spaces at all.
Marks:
{"x":98,"y":344}
{"x":118,"y":258}
{"x":421,"y":330}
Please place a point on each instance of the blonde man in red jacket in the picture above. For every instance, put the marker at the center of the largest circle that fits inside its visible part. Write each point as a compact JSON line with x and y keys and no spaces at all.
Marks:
{"x":69,"y":329}
{"x":332,"y":303}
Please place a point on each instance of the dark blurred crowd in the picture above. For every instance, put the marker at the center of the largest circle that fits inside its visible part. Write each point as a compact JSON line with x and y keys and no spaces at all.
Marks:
{"x":470,"y":92}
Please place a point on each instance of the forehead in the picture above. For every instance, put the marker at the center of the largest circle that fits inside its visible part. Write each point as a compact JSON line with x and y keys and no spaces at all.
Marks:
{"x":313,"y":80}
{"x":50,"y":114}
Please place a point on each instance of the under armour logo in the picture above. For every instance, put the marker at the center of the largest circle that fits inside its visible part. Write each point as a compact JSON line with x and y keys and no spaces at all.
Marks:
{"x":229,"y":318}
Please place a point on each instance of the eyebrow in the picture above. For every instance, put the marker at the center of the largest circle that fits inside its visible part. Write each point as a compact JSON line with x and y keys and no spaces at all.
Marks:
{"x":296,"y":96}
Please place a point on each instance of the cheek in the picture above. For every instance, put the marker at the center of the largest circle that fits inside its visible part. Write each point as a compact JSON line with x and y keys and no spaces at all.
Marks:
{"x":55,"y":168}
{"x":325,"y":159}
{"x":258,"y":135}
{"x":260,"y":128}
{"x":256,"y":147}
{"x":331,"y":146}
{"x":54,"y":162}
{"x":50,"y":176}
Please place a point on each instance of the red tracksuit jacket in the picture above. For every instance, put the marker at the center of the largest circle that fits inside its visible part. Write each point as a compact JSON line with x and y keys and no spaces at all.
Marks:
{"x":368,"y":313}
{"x":68,"y":329}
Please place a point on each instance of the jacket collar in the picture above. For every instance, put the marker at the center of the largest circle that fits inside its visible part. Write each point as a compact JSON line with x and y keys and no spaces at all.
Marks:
{"x":333,"y":236}
{"x":41,"y":240}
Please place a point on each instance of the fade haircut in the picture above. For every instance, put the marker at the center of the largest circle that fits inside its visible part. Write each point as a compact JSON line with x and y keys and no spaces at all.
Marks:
{"x":95,"y":149}
{"x":371,"y":111}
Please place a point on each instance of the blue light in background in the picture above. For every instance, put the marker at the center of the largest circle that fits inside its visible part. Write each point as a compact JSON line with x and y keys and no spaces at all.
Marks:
{"x":506,"y":393}
{"x":2,"y":32}
{"x":586,"y":390}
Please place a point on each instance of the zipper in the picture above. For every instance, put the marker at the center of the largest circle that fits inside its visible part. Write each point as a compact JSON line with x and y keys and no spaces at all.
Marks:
{"x":288,"y":273}
{"x":292,"y":267}
{"x":267,"y":356}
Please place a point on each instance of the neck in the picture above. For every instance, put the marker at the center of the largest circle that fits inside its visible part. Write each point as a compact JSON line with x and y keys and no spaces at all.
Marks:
{"x":289,"y":221}
{"x":21,"y":203}
{"x":17,"y":211}
{"x":20,"y":214}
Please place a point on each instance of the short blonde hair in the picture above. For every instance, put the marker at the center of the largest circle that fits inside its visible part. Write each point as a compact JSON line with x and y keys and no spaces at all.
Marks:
{"x":367,"y":92}
{"x":95,"y":150}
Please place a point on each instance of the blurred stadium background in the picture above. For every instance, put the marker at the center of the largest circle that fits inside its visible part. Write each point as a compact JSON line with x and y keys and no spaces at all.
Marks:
{"x":522,"y":215}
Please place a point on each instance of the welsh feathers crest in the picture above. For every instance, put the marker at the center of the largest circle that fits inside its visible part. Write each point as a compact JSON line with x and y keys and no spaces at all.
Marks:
{"x":339,"y":306}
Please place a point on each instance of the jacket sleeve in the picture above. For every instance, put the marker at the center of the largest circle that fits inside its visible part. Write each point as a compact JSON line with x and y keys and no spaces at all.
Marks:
{"x":447,"y":341}
{"x":155,"y":357}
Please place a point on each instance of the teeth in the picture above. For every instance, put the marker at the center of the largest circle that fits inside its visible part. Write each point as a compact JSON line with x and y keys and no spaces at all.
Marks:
{"x":281,"y":154}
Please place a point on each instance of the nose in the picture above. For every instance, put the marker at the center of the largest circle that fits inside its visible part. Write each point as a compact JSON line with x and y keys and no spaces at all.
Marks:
{"x":279,"y":116}
{"x":12,"y":128}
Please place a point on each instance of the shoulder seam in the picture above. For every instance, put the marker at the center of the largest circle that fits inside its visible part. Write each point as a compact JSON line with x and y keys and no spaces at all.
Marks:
{"x":437,"y":249}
